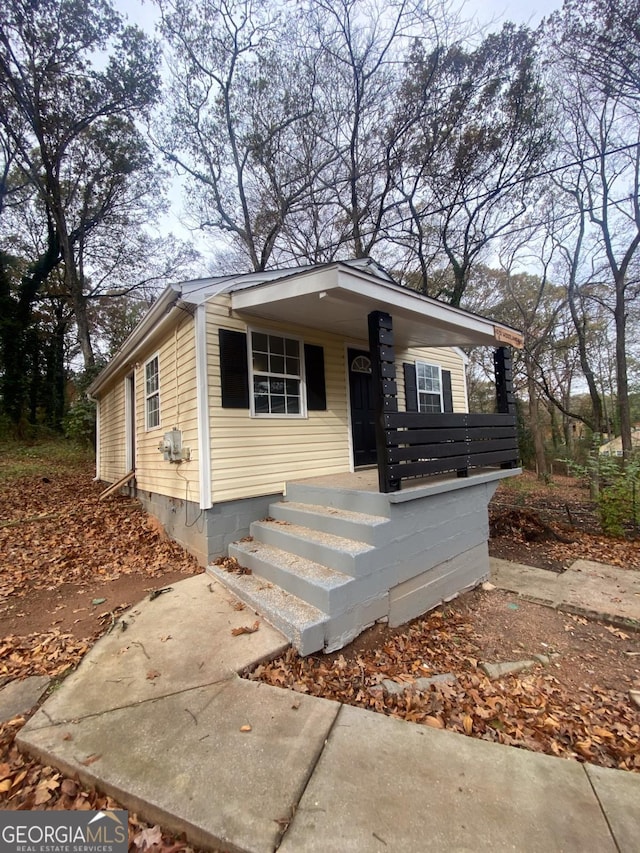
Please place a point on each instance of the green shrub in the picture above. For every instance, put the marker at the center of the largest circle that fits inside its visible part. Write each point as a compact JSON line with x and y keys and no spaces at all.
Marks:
{"x":79,"y":423}
{"x":618,"y":493}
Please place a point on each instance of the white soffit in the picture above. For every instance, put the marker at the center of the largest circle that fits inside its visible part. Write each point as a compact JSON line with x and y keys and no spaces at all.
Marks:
{"x":339,"y":302}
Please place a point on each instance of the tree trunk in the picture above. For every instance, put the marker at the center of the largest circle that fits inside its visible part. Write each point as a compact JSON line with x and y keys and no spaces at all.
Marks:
{"x":534,"y":423}
{"x":621,"y":371}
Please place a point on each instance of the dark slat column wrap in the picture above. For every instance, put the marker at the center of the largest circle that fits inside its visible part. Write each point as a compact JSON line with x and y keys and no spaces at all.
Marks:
{"x":505,"y":396}
{"x":382,"y":354}
{"x":503,"y":368}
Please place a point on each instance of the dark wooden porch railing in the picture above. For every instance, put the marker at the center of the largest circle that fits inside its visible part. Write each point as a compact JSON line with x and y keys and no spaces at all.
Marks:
{"x":418,"y":445}
{"x":413,"y":444}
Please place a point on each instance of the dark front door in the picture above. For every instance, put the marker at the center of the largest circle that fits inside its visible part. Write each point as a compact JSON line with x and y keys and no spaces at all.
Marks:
{"x":363,"y":425}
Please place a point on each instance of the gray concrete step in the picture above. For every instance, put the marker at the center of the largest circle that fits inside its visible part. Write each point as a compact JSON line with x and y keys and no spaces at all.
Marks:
{"x":336,"y":552}
{"x":314,"y":583}
{"x":370,"y":503}
{"x":363,"y":527}
{"x":301,"y":623}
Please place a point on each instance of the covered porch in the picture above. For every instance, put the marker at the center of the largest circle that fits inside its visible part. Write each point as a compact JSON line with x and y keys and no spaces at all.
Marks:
{"x":394,"y":539}
{"x":410,"y":443}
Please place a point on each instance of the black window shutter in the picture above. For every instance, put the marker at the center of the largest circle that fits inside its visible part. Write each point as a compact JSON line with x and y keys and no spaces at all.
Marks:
{"x":314,"y":375}
{"x":447,"y":396}
{"x":410,"y":387}
{"x":234,"y":370}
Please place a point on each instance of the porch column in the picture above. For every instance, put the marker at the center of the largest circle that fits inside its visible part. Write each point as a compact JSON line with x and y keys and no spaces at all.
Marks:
{"x":503,"y":369}
{"x":505,"y":397}
{"x":385,"y":389}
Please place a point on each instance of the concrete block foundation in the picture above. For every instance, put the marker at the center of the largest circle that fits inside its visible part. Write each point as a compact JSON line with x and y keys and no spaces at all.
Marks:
{"x":205,"y":533}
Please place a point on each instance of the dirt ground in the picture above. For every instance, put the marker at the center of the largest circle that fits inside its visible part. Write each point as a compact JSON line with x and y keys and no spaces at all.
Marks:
{"x":69,"y":565}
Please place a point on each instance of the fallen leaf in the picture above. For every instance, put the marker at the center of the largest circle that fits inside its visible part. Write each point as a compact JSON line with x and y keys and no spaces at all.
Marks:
{"x":616,"y":632}
{"x":467,"y":724}
{"x":153,"y":673}
{"x":245,"y":728}
{"x":146,"y":839}
{"x":69,"y":788}
{"x":91,"y":759}
{"x":246,"y":629}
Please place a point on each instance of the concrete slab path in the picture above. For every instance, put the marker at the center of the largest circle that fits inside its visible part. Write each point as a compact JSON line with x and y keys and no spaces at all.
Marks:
{"x":593,"y":589}
{"x":157,"y":716}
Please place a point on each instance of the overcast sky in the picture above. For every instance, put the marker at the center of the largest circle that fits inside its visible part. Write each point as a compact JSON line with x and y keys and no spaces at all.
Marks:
{"x":144,"y":13}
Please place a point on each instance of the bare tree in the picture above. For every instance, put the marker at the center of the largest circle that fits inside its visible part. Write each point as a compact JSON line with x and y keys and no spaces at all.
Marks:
{"x":600,"y":140}
{"x":71,"y":119}
{"x":240,"y":120}
{"x":476,"y":137}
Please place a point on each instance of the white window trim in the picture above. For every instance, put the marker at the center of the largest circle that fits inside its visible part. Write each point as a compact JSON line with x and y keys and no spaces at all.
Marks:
{"x":418,"y":392}
{"x":303,"y":385}
{"x":147,"y":396}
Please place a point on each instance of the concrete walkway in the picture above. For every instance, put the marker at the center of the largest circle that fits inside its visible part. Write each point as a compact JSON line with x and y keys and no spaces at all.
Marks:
{"x":157,"y":716}
{"x":591,"y":589}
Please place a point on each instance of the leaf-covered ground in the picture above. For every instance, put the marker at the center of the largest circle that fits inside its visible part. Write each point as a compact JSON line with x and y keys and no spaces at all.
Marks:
{"x":577,"y":707}
{"x":552,"y":525}
{"x":61,"y":550}
{"x":69,"y":564}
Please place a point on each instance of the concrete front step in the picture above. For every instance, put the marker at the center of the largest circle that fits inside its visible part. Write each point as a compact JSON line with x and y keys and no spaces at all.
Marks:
{"x":336,"y":552}
{"x":301,"y":623}
{"x":314,"y":583}
{"x":360,"y":526}
{"x":369,"y":503}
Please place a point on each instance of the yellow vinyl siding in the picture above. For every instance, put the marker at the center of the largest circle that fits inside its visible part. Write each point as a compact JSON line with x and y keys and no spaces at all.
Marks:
{"x":178,"y":410}
{"x":254,"y":456}
{"x":447,"y":358}
{"x":112,"y":433}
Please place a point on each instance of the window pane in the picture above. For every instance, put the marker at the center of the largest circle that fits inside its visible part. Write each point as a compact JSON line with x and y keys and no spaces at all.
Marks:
{"x":261,"y":403}
{"x":428,"y":378}
{"x":277,"y":364}
{"x":277,"y":386}
{"x":153,"y":412}
{"x":151,"y":371}
{"x":429,"y":403}
{"x":276,"y":345}
{"x":293,"y":405}
{"x":293,"y":387}
{"x":260,"y":385}
{"x":277,"y":405}
{"x":292,"y":347}
{"x":259,"y":342}
{"x":260,"y":361}
{"x":293,"y":366}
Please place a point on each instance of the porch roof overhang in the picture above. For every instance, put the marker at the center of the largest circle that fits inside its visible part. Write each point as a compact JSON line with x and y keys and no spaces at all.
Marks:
{"x":339,"y":299}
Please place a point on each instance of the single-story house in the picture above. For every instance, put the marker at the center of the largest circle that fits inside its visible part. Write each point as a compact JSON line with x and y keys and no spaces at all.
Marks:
{"x":613,"y":447}
{"x":312,"y":423}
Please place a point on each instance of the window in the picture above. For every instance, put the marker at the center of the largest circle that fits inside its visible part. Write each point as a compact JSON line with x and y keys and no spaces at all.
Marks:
{"x":429,"y":387}
{"x":152,"y":392}
{"x":276,"y":375}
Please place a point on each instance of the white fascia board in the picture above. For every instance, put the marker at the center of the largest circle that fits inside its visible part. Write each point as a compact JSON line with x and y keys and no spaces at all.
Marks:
{"x":151,"y":324}
{"x":402,"y":299}
{"x":202,"y":401}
